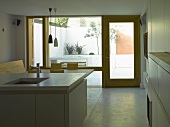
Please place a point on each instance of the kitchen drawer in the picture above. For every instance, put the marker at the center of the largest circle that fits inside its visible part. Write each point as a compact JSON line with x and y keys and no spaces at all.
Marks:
{"x":164,"y":88}
{"x":162,"y":118}
{"x":153,"y":74}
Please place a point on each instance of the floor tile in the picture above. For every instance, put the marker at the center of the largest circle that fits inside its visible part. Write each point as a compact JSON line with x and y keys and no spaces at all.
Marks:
{"x":116,"y":107}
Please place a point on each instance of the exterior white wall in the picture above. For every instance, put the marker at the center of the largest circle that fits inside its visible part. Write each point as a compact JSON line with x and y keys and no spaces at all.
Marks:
{"x":72,"y":36}
{"x":7,"y":38}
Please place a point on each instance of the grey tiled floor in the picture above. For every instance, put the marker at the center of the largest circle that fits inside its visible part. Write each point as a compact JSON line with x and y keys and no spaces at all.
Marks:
{"x":115,"y":107}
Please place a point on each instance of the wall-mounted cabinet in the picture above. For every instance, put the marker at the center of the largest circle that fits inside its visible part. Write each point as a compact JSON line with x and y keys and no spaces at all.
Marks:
{"x":158,"y":25}
{"x":167,"y":26}
{"x":157,"y":15}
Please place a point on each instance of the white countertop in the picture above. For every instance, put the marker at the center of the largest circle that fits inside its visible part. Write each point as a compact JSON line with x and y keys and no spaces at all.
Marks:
{"x":162,"y":59}
{"x":63,"y":82}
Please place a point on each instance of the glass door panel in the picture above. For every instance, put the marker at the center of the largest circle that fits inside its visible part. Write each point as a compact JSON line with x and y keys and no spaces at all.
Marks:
{"x":121,"y":50}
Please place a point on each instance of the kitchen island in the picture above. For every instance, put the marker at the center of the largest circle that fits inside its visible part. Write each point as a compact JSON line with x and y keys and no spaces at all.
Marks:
{"x":59,"y":100}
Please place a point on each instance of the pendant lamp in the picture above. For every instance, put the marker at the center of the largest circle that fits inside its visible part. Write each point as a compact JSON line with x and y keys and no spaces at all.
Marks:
{"x":50,"y":38}
{"x":55,"y":40}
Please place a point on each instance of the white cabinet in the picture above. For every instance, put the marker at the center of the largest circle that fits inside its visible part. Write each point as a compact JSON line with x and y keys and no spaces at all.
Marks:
{"x":17,"y":110}
{"x":167,"y":26}
{"x":159,"y":87}
{"x":162,"y":118}
{"x":154,"y":110}
{"x":153,"y":73}
{"x":164,"y":88}
{"x":45,"y":108}
{"x":62,"y":110}
{"x":50,"y":110}
{"x":77,"y":105}
{"x":159,"y":117}
{"x":157,"y":17}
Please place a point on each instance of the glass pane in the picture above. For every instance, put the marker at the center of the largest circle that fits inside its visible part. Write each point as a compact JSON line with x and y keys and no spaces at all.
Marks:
{"x":79,"y":40}
{"x":121,"y":50}
{"x":38,"y":42}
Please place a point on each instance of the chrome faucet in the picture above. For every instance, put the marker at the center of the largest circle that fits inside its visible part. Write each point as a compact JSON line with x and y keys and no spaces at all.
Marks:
{"x":37,"y":67}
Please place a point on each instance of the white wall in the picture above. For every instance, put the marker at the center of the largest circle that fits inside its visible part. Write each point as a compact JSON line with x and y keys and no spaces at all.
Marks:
{"x":143,"y":61}
{"x":7,"y":38}
{"x":21,"y":39}
{"x":143,"y":30}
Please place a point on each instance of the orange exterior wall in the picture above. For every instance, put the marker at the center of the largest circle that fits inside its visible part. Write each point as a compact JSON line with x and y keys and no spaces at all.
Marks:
{"x":125,"y":44}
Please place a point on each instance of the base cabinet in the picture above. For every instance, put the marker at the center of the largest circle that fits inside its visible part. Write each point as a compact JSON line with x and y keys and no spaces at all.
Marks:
{"x":154,"y":109}
{"x":159,"y":90}
{"x":153,"y":74}
{"x":47,"y":109}
{"x":17,"y":110}
{"x":62,"y":110}
{"x":159,"y":115}
{"x":50,"y":110}
{"x":164,"y":89}
{"x":162,"y":118}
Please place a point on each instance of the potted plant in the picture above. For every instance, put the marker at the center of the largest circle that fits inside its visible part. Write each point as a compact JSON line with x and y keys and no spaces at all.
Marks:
{"x":78,"y":48}
{"x":69,"y":48}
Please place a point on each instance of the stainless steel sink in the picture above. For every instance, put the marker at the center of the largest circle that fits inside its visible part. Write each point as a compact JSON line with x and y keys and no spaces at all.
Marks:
{"x":27,"y":81}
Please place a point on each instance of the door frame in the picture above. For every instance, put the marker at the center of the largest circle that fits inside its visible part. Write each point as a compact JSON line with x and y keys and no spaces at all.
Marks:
{"x":106,"y":81}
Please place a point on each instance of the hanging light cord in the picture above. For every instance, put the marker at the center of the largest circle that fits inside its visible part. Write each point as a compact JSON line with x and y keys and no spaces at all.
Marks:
{"x":55,"y":21}
{"x":50,"y":9}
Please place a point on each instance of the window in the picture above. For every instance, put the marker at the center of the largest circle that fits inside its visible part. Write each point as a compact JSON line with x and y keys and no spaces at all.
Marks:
{"x":79,"y":40}
{"x":38,"y":41}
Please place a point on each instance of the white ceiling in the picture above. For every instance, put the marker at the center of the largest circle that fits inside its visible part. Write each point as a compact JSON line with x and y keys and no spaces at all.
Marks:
{"x":73,"y":7}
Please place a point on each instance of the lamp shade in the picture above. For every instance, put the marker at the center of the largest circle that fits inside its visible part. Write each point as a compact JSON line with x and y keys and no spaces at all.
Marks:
{"x":50,"y":39}
{"x":55,"y":42}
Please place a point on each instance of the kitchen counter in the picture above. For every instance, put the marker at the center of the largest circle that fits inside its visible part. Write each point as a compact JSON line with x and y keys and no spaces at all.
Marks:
{"x":158,"y":89}
{"x":62,"y":81}
{"x":162,"y":59}
{"x":56,"y":101}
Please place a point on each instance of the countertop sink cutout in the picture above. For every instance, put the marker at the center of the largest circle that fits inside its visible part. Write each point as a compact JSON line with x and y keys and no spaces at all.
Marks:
{"x":27,"y":81}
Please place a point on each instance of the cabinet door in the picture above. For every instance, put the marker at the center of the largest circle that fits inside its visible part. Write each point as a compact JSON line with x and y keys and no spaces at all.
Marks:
{"x":154,"y":110}
{"x":50,"y":110}
{"x":162,"y":119}
{"x":157,"y":15}
{"x":17,"y":110}
{"x":167,"y":26}
{"x":78,"y":105}
{"x":153,"y":73}
{"x":164,"y":89}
